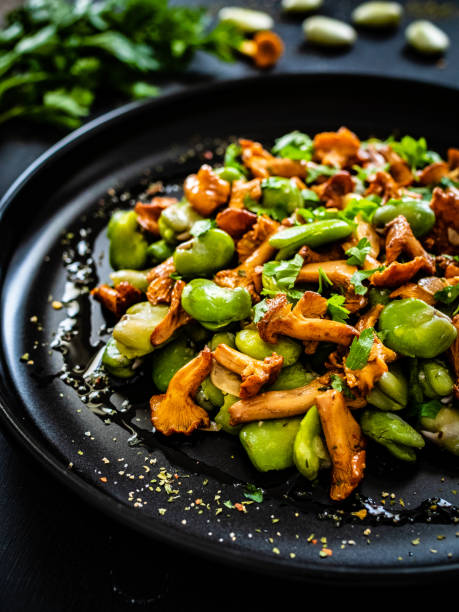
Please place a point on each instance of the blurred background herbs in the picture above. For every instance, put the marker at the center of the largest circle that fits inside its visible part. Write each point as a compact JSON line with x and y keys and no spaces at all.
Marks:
{"x":57,"y":58}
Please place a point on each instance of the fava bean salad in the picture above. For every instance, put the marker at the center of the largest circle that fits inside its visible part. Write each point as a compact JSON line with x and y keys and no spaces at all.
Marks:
{"x":304,"y":298}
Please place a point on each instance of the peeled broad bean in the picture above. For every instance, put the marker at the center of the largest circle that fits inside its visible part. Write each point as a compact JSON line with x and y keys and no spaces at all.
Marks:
{"x":292,"y":377}
{"x":115,"y":362}
{"x":214,"y":306}
{"x":222,"y":338}
{"x":134,"y":329}
{"x":248,"y":341}
{"x":415,"y":329}
{"x":176,"y":221}
{"x":391,"y":391}
{"x":168,"y":360}
{"x":204,"y":254}
{"x":417,"y":212}
{"x":269,"y":444}
{"x":389,"y":430}
{"x":128,"y":247}
{"x":222,"y":418}
{"x":136,"y":278}
{"x":309,"y":452}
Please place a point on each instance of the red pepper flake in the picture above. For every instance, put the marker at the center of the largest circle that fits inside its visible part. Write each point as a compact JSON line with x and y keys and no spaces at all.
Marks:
{"x":176,"y":476}
{"x":326,"y":552}
{"x":103,"y":478}
{"x":240,"y":507}
{"x":208,"y":154}
{"x":198,"y":501}
{"x":314,"y":541}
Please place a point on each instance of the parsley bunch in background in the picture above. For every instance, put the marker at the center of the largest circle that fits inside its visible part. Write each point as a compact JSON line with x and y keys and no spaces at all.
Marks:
{"x":57,"y":57}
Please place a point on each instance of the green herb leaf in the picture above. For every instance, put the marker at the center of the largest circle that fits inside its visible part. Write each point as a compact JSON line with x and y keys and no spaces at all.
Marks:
{"x":259,"y":310}
{"x":364,"y":207}
{"x":447,"y":295}
{"x":336,"y":309}
{"x":284,"y":273}
{"x":294,"y":145}
{"x":357,"y":254}
{"x":323,"y":281}
{"x":363,"y":174}
{"x":175,"y":276}
{"x":414,"y":151}
{"x":360,"y":349}
{"x":314,"y":172}
{"x":254,"y":493}
{"x":359,"y":276}
{"x":429,"y":410}
{"x":340,"y":385}
{"x":202,"y":227}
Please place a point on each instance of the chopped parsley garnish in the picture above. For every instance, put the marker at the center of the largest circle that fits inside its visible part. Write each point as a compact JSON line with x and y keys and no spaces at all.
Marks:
{"x":359,"y":276}
{"x":447,"y":295}
{"x":336,"y":309}
{"x":259,"y":310}
{"x":201,"y":227}
{"x":360,"y":349}
{"x":340,"y":385}
{"x":313,"y":172}
{"x":414,"y":151}
{"x":323,"y":280}
{"x":294,"y":145}
{"x":280,"y":277}
{"x":358,"y":253}
{"x":254,"y":493}
{"x":175,"y":276}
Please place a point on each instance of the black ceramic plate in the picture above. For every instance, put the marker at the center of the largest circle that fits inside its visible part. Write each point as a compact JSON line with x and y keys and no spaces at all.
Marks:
{"x":183,"y":492}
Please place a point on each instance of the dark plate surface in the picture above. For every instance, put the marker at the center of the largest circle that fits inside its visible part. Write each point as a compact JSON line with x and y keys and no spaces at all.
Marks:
{"x":56,"y":213}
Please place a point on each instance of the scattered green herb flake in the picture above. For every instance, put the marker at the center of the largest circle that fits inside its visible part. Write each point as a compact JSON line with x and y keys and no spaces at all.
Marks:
{"x":228,"y":503}
{"x":259,"y":310}
{"x":363,"y":174}
{"x":414,"y":152}
{"x":430,"y":409}
{"x":357,"y":254}
{"x":360,"y":349}
{"x":202,"y":227}
{"x":283,"y":273}
{"x":294,"y":145}
{"x":254,"y":493}
{"x":361,"y":275}
{"x":447,"y":295}
{"x":336,"y":309}
{"x":175,"y":276}
{"x":315,"y":171}
{"x":323,"y":280}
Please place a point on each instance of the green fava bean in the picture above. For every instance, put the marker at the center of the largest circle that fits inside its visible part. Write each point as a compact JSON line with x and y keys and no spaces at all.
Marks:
{"x":377,"y":14}
{"x":292,"y":377}
{"x":309,"y":452}
{"x":328,"y":32}
{"x":269,"y":444}
{"x":134,"y":329}
{"x":115,"y":362}
{"x":312,"y":235}
{"x":435,"y":379}
{"x":204,"y":254}
{"x":413,"y":328}
{"x":222,"y":418}
{"x":248,"y":341}
{"x":389,"y":430}
{"x":128,"y":247}
{"x":136,"y":278}
{"x":417,"y":212}
{"x":168,"y":360}
{"x":281,"y":193}
{"x":215,"y":306}
{"x":391,"y":391}
{"x":440,"y":424}
{"x":222,"y":338}
{"x":159,"y":251}
{"x":426,"y":37}
{"x":176,"y":221}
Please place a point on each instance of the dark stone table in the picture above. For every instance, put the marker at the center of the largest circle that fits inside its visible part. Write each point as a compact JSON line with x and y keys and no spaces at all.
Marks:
{"x":58,"y":554}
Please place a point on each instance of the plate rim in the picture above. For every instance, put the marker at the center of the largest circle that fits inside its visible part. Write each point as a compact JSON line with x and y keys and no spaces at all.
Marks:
{"x":88,"y":493}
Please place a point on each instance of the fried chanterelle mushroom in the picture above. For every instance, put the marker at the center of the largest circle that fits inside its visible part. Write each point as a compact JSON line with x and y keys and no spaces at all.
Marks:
{"x":345,"y":443}
{"x":176,"y":411}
